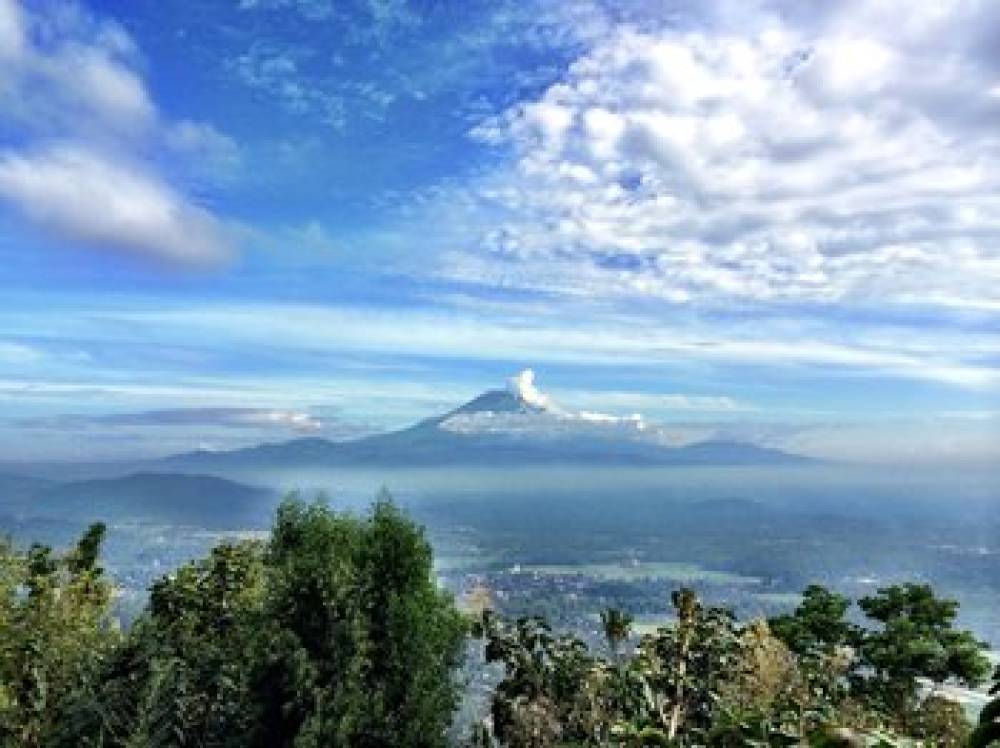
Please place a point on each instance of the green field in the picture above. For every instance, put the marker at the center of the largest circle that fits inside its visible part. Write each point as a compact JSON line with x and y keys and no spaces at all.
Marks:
{"x":674,"y":571}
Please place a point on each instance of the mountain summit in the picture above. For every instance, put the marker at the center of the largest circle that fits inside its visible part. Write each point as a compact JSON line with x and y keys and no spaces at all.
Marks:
{"x":518,"y":425}
{"x":520,"y":396}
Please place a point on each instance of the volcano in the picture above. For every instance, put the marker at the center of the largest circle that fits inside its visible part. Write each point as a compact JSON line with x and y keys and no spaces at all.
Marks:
{"x":511,"y":426}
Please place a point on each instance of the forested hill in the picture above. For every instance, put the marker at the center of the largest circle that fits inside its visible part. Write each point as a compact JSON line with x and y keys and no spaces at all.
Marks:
{"x":176,"y":499}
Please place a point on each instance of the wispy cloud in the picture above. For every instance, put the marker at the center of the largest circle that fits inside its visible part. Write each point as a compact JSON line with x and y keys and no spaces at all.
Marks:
{"x":659,"y":403}
{"x":961,"y":359}
{"x":19,"y":354}
{"x":391,"y":54}
{"x":438,"y":333}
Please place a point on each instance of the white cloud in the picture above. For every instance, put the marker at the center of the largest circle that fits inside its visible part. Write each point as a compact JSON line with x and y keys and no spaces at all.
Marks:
{"x":239,"y":418}
{"x":852,"y":156}
{"x":523,"y":386}
{"x":11,"y":30}
{"x":554,"y":425}
{"x":66,"y":71}
{"x":93,"y":201}
{"x":71,"y":79}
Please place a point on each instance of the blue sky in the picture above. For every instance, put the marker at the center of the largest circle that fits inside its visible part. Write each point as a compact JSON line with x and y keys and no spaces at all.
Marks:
{"x":240,"y":220}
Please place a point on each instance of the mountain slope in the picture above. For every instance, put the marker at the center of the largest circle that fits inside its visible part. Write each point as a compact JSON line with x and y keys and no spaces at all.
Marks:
{"x":15,"y":489}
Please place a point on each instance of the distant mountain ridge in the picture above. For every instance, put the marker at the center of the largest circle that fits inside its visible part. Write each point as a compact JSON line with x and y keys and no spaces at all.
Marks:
{"x":195,"y":500}
{"x":514,"y":426}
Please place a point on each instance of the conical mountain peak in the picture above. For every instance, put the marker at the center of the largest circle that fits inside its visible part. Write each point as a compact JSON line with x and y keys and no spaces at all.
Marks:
{"x":520,"y":396}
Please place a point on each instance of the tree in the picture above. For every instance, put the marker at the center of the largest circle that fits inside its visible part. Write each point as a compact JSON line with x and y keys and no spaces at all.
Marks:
{"x":184,"y":675}
{"x":414,"y":634}
{"x":617,"y":626}
{"x":687,"y":663}
{"x":915,"y":638}
{"x":544,"y":696}
{"x":818,"y":625}
{"x":987,"y":732}
{"x":940,"y":721}
{"x":55,"y":629}
{"x":824,"y":641}
{"x":333,"y":633}
{"x":366,"y":644}
{"x":707,"y":680}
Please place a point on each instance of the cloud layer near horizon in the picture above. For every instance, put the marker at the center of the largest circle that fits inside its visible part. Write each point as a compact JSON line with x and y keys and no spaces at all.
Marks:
{"x":238,"y":418}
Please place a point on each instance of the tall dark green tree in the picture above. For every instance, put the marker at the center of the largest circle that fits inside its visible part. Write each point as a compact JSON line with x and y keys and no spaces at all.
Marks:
{"x":415,"y":632}
{"x":367,"y":645}
{"x":914,"y":636}
{"x":818,"y":624}
{"x":334,"y":633}
{"x":825,"y":642}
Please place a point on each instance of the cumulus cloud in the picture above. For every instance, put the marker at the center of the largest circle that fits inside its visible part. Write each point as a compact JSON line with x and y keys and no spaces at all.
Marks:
{"x":766,"y":155}
{"x":91,"y":200}
{"x":85,"y":125}
{"x":522,"y":385}
{"x":63,"y":70}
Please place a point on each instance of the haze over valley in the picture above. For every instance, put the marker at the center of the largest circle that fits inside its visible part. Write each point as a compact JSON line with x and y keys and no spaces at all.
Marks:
{"x":557,"y":512}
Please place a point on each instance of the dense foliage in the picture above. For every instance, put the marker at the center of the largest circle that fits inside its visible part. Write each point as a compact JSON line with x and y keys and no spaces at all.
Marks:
{"x":333,"y":633}
{"x":809,"y":677}
{"x":54,"y":634}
